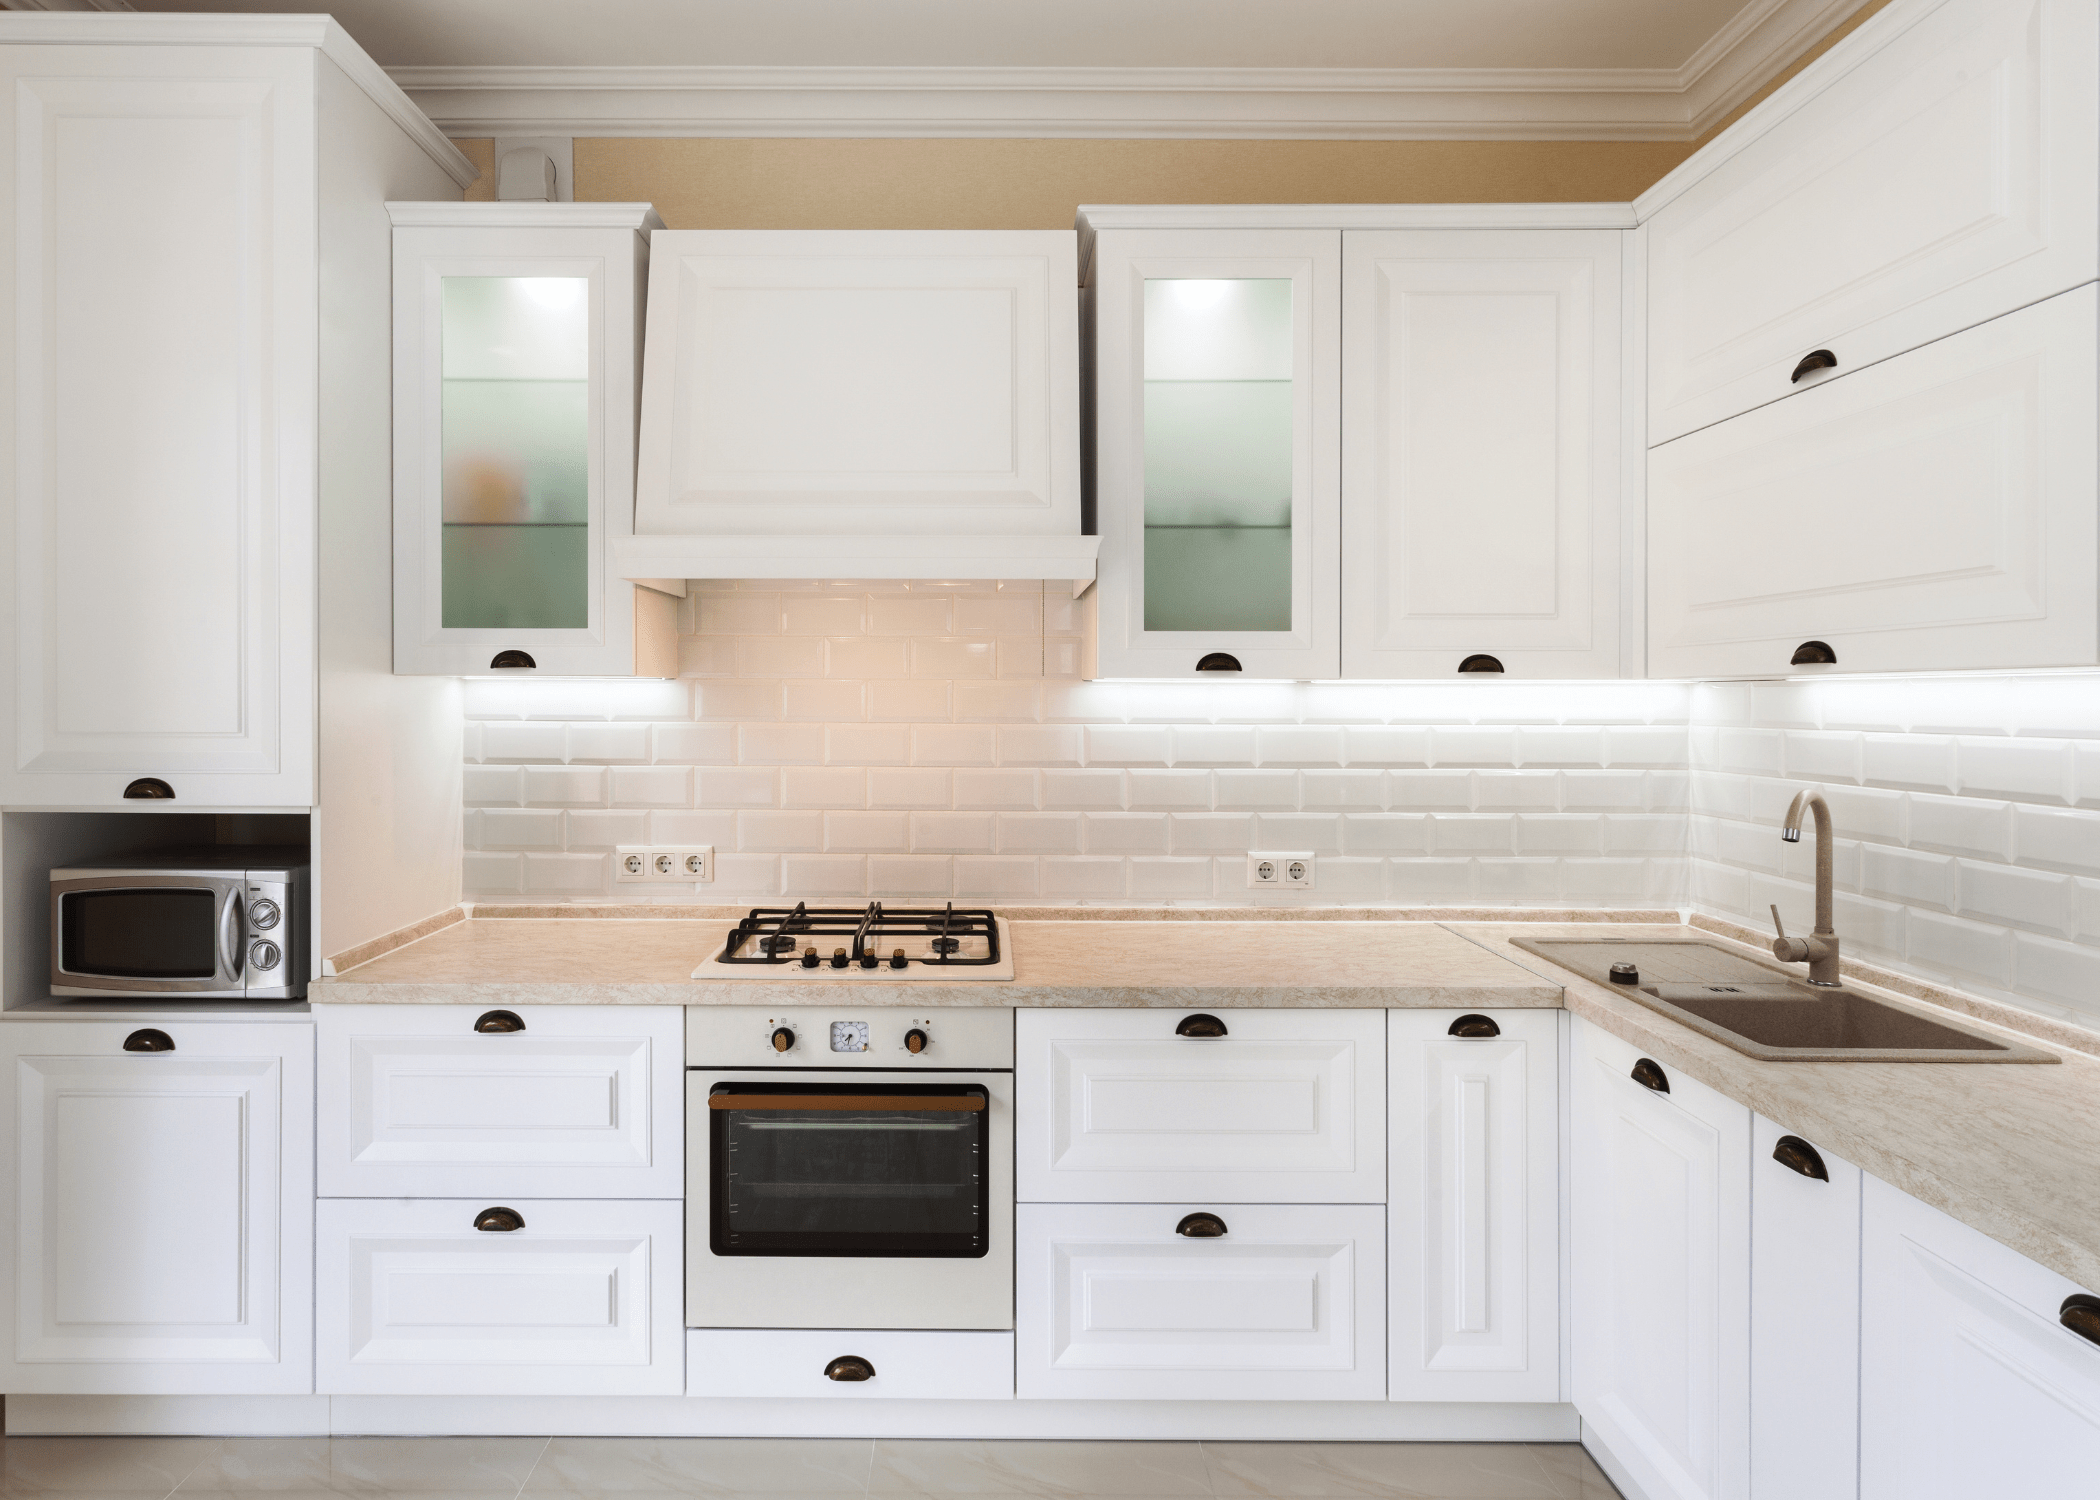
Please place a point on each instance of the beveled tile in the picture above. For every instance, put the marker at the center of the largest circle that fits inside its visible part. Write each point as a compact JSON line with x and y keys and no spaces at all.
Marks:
{"x":786,"y":1468}
{"x":99,"y":1465}
{"x":451,"y":1465}
{"x":1399,"y":1471}
{"x":1055,"y":1469}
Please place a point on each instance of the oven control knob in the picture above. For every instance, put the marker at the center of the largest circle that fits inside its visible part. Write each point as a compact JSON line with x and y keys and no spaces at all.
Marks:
{"x":783,"y":1039}
{"x":809,"y":957}
{"x":838,"y":958}
{"x":871,"y":959}
{"x":899,"y":961}
{"x":915,"y":1040}
{"x":263,"y":914}
{"x":264,"y":955}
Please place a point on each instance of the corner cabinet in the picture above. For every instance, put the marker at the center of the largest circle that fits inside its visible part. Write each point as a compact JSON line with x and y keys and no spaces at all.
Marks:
{"x":517,"y":354}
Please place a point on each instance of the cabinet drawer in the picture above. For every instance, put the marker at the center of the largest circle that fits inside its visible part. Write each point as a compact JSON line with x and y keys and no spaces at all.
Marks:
{"x":580,"y":1300}
{"x":1287,"y":1305}
{"x":1287,"y":1107}
{"x":582,"y":1103}
{"x":1934,"y":512}
{"x":794,"y":1362}
{"x":1943,"y":180}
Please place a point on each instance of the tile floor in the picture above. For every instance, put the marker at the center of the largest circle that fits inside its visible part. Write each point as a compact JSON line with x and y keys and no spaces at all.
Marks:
{"x":787,"y":1469}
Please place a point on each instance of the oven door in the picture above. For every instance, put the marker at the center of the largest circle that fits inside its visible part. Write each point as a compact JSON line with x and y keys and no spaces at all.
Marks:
{"x":848,"y":1199}
{"x":159,"y":934}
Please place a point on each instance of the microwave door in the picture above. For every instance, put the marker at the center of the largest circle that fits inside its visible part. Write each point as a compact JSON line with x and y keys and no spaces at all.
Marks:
{"x":137,"y":934}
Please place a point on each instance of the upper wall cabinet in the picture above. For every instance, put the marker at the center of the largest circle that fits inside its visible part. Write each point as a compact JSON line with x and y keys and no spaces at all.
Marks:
{"x":516,"y":354}
{"x":1915,"y":182}
{"x":1481,"y":454}
{"x":1217,"y":386}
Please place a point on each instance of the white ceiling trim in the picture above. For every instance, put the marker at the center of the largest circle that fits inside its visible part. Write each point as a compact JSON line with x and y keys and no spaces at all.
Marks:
{"x":1167,"y":103}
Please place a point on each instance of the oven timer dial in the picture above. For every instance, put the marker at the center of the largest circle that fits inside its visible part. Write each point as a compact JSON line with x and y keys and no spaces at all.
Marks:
{"x":262,"y":913}
{"x":849,"y":1036}
{"x":264,"y":955}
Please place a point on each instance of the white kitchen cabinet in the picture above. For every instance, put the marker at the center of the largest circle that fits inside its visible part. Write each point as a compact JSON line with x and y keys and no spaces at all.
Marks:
{"x":432,"y":1101}
{"x":162,"y":1234}
{"x":1804,"y":1319}
{"x":1937,"y":169}
{"x":1933,"y":512}
{"x":821,"y":385}
{"x":1217,"y":409}
{"x":1660,"y":1272}
{"x":1483,"y":381}
{"x":445,"y":1297}
{"x":1969,"y":1383}
{"x":1117,"y":1106}
{"x":517,"y":357}
{"x":1473,"y":1225}
{"x":1286,"y":1304}
{"x":802,"y":1364}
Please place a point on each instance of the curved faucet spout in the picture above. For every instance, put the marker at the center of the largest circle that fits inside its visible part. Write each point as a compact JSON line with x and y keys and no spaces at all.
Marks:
{"x":1820,"y":949}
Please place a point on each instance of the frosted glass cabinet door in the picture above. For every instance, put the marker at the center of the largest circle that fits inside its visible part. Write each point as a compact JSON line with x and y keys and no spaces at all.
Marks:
{"x":1218,"y":428}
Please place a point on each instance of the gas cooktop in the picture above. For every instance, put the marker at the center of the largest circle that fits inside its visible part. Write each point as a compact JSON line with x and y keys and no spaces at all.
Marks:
{"x":872,"y":942}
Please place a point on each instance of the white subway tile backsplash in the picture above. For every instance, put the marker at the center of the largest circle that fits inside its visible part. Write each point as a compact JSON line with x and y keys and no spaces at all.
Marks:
{"x":738,"y":613}
{"x":500,"y":786}
{"x":994,"y":878}
{"x":567,"y":786}
{"x":779,"y":656}
{"x":1125,"y":833}
{"x":1299,"y":745}
{"x":1037,"y":833}
{"x":864,"y":657}
{"x":1385,"y":746}
{"x":1430,"y":882}
{"x":953,"y":658}
{"x":867,"y":744}
{"x":1906,"y":876}
{"x":1649,"y":834}
{"x":1000,"y":790}
{"x":951,"y":833}
{"x":688,"y":827}
{"x":809,"y":875}
{"x":693,"y":744}
{"x":487,"y":874}
{"x":909,"y":875}
{"x":824,"y":786}
{"x":1472,"y":746}
{"x":911,"y":615}
{"x":1812,"y":756}
{"x":1560,"y":745}
{"x":1127,"y":744}
{"x":736,"y":699}
{"x":780,"y":832}
{"x":724,"y":786}
{"x":521,"y":742}
{"x":604,"y":829}
{"x":866,"y":832}
{"x":823,"y":700}
{"x":2057,"y":839}
{"x":1171,"y":879}
{"x":912,"y":786}
{"x":1921,"y":762}
{"x":908,"y":702}
{"x":1976,"y":827}
{"x":1258,"y":790}
{"x":1168,"y":791}
{"x":1084,"y":879}
{"x":651,"y":786}
{"x":2068,"y":973}
{"x":1205,"y":833}
{"x":1000,"y":614}
{"x":1213,"y":745}
{"x":1098,"y":789}
{"x":1432,"y":791}
{"x":2020,"y":770}
{"x":805,"y":614}
{"x":1002,"y":702}
{"x":1039,"y":745}
{"x":1516,"y":791}
{"x":707,"y":656}
{"x":565,"y":874}
{"x":1870,"y":813}
{"x":1519,"y":882}
{"x":1349,"y":881}
{"x":1319,"y":832}
{"x":2012,"y":897}
{"x":1465,"y":833}
{"x":1560,"y":833}
{"x":1645,"y":745}
{"x":1606,"y":791}
{"x":608,"y":742}
{"x":781,"y":744}
{"x":954,"y":745}
{"x":516,"y":828}
{"x":1353,"y":791}
{"x":1386,"y":833}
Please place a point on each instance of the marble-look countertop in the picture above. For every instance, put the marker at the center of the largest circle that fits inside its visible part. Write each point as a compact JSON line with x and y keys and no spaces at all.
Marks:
{"x":2010,"y":1149}
{"x":1176,"y":965}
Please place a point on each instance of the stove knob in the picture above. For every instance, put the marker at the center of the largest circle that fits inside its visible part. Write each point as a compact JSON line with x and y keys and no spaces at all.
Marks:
{"x":783,"y":1039}
{"x":263,"y":914}
{"x":899,"y":961}
{"x":871,"y":959}
{"x":915,"y":1040}
{"x":809,"y":957}
{"x":838,"y":958}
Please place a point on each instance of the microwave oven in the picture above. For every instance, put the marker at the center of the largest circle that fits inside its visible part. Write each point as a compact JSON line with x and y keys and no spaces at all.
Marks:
{"x":215,"y":923}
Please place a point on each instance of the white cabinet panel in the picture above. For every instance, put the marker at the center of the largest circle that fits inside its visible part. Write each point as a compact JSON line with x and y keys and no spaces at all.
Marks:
{"x":1947,"y":177}
{"x":1969,"y":1384}
{"x":1287,"y":1107}
{"x":1481,"y":451}
{"x":583,"y":1103}
{"x":158,"y":409}
{"x":796,"y":1362}
{"x":1474,"y":1222}
{"x":1804,"y":1321}
{"x":162,"y":1227}
{"x":1288,"y":1305}
{"x":581,"y":1300}
{"x":861,"y":383}
{"x":1934,"y":512}
{"x":1661,"y":1273}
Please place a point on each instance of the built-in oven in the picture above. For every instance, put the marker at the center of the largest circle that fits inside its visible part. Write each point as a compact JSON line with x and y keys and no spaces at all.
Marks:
{"x":213,"y":923}
{"x":849,"y":1169}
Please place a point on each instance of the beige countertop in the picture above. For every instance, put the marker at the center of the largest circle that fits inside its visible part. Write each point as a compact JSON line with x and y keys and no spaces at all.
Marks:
{"x":1193,"y":965}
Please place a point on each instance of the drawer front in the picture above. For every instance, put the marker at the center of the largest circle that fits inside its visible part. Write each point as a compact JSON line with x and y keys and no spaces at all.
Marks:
{"x":582,"y":1103}
{"x":1115,"y":1107}
{"x":1287,"y":1305}
{"x":797,"y":1362}
{"x":581,"y":1300}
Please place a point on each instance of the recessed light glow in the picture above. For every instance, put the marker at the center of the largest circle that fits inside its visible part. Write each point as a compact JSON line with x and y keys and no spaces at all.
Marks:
{"x":1198,"y":296}
{"x":555,"y":292}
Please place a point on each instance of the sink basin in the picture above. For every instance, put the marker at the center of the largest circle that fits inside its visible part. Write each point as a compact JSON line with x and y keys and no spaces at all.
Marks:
{"x":1763,"y":1011}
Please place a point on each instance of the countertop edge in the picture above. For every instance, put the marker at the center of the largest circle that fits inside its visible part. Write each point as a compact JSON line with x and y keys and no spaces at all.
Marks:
{"x":1542,"y":995}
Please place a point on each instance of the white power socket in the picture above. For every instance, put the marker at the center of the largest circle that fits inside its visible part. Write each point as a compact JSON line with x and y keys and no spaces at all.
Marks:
{"x":663,"y":864}
{"x":1289,"y":870}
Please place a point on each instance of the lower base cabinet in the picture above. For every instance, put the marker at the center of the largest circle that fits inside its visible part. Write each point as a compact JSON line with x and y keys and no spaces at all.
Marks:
{"x":545,"y":1297}
{"x":1261,"y":1303}
{"x":850,"y":1364}
{"x":1969,"y":1383}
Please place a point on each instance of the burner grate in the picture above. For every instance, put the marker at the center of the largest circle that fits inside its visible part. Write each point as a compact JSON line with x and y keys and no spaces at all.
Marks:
{"x":874,"y":936}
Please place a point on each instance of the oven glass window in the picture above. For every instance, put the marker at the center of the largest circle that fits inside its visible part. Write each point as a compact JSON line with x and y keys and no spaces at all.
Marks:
{"x":154,"y":932}
{"x":831,"y":1167}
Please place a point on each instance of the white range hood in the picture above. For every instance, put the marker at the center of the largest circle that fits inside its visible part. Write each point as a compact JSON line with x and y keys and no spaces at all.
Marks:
{"x":866,"y":404}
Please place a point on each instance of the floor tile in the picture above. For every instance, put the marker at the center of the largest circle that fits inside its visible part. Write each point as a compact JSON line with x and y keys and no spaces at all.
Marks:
{"x":424,"y":1466}
{"x":1054,"y":1469}
{"x":782,"y":1467}
{"x":278,"y":1466}
{"x":1575,"y":1471}
{"x":1392,"y":1471}
{"x":99,"y":1465}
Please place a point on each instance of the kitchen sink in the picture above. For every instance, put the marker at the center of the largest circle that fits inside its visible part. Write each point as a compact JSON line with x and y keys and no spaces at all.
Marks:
{"x":1761,"y":1010}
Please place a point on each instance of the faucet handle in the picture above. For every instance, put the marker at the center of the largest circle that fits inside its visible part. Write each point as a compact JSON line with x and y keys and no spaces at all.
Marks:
{"x":1790,"y":950}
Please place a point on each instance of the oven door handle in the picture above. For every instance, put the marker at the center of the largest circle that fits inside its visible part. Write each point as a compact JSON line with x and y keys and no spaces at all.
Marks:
{"x":232,"y":937}
{"x":967,"y":1104}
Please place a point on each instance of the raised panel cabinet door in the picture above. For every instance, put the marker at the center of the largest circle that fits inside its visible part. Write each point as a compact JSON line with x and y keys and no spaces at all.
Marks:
{"x":158,"y":398}
{"x":858,"y":383}
{"x":1937,"y":171}
{"x":1217,"y":461}
{"x":1661,"y":1274}
{"x":1969,"y":1383}
{"x":1473,"y":1224}
{"x":802,"y":1364}
{"x":1276,"y":1304}
{"x":162,"y":1229}
{"x":1481,"y":451}
{"x":1934,"y":512}
{"x":1804,"y":1318}
{"x":1288,"y":1106}
{"x":423,"y":1101}
{"x":445,"y":1297}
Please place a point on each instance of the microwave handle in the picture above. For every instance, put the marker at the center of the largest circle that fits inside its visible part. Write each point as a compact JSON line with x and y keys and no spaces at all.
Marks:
{"x":233,"y":930}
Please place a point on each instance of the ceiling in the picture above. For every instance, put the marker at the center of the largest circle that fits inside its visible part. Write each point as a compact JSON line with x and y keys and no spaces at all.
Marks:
{"x":1651,"y":68}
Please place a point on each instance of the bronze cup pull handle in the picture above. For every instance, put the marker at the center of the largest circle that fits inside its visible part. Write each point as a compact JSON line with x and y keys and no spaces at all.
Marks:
{"x":149,"y":1039}
{"x":1475,"y":1026}
{"x":500,"y":1020}
{"x":1200,"y":1024}
{"x":1814,"y":360}
{"x":2081,"y":1314}
{"x":849,"y":1367}
{"x":499,"y":1220}
{"x":1798,"y":1155}
{"x":1201,"y":1227}
{"x":1649,"y":1075}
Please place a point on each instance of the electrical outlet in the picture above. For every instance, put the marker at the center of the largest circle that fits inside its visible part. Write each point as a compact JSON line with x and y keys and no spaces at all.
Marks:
{"x":1288,"y":870}
{"x":663,"y":864}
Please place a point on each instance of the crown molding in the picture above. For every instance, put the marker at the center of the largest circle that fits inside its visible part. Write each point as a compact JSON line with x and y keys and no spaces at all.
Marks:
{"x":1133,"y":103}
{"x":640,"y":217}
